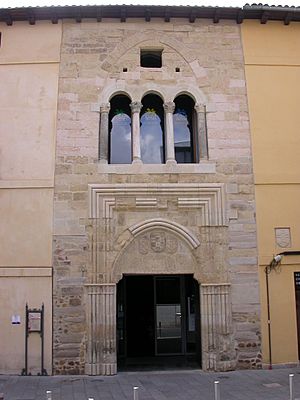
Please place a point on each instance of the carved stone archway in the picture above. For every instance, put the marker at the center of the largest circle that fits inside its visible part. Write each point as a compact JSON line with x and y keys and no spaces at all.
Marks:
{"x":157,"y":246}
{"x":153,"y":246}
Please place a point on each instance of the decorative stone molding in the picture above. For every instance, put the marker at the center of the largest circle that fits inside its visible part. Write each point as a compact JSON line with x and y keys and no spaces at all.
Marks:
{"x":136,"y":92}
{"x":185,"y":234}
{"x":216,"y":327}
{"x":209,"y":198}
{"x":170,"y":150}
{"x":145,"y":202}
{"x":101,"y":333}
{"x":104,"y":108}
{"x":169,"y":107}
{"x":204,"y":167}
{"x":202,"y":131}
{"x":174,"y":245}
{"x":103,"y":132}
{"x":136,"y":107}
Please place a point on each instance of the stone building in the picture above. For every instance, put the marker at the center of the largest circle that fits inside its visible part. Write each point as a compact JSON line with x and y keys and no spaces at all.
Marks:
{"x":139,"y":219}
{"x":149,"y":169}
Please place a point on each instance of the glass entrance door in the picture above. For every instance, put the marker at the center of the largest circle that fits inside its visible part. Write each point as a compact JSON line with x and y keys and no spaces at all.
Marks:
{"x":168,"y":310}
{"x":158,"y":320}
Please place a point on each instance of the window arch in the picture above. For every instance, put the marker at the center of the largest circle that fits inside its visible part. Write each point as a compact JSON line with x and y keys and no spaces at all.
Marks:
{"x":152,"y":130}
{"x":185,"y":128}
{"x":120,"y":147}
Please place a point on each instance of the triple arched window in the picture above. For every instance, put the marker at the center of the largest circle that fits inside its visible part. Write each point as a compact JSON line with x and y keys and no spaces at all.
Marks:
{"x":151,"y":131}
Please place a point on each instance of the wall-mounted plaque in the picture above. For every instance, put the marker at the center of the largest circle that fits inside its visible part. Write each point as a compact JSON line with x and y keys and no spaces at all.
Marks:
{"x":34,"y":321}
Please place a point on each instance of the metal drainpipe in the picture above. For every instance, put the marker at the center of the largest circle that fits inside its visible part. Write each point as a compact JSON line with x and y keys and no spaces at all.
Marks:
{"x":267,"y":271}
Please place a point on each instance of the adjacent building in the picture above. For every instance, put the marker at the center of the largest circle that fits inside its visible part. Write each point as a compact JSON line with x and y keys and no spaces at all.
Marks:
{"x":128,"y":198}
{"x":272,"y":67}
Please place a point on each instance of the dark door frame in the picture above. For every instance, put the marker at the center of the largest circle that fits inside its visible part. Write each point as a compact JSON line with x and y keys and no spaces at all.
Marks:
{"x":183,"y":302}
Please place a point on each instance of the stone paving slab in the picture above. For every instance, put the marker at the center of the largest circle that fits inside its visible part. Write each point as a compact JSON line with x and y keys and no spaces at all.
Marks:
{"x":156,"y":385}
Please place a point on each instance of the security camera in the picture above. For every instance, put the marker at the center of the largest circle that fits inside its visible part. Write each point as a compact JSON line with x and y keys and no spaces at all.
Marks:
{"x":277,"y":258}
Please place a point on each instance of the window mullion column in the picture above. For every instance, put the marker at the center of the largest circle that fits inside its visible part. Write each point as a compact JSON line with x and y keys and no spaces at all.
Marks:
{"x":136,"y":107}
{"x":103,"y":133}
{"x":202,"y":131}
{"x":169,"y":142}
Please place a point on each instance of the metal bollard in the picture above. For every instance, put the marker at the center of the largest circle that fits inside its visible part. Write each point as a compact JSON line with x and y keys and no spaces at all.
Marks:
{"x":49,"y":395}
{"x":291,"y":377}
{"x":217,"y":390}
{"x":136,"y":393}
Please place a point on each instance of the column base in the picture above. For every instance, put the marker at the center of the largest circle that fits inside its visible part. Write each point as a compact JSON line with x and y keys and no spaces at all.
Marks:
{"x":103,"y":161}
{"x":107,"y":369}
{"x":137,"y":161}
{"x":171,"y":162}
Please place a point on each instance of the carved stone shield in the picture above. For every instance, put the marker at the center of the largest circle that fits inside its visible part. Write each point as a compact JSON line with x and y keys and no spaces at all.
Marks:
{"x":171,"y":244}
{"x":144,"y":244}
{"x":158,"y":241}
{"x":283,"y":237}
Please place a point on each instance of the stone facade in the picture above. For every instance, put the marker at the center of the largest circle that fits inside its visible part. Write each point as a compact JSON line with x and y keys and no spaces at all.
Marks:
{"x":177,"y":218}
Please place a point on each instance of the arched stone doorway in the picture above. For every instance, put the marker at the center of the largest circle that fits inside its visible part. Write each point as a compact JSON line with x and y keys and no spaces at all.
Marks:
{"x":125,"y":243}
{"x":158,"y":309}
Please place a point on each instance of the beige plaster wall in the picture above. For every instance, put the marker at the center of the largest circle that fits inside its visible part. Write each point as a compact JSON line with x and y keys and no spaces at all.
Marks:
{"x":28,"y":115}
{"x":272,"y":68}
{"x":15,"y":292}
{"x":29,"y":66}
{"x":277,"y":206}
{"x":26,"y":227}
{"x":274,"y":97}
{"x":24,"y":43}
{"x":278,"y":46}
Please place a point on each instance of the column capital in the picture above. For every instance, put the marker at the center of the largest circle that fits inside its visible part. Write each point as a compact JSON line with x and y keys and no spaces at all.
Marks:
{"x":104,"y":108}
{"x":136,"y":106}
{"x":169,"y":107}
{"x":200,"y":107}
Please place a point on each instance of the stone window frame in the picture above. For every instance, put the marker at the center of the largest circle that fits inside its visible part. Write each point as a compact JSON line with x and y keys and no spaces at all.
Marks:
{"x":169,"y":108}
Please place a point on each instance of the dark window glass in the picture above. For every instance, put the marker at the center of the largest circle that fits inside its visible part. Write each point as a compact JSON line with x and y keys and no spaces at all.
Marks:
{"x":151,"y":58}
{"x":168,"y":290}
{"x":152,"y":137}
{"x":120,"y":131}
{"x":184,"y":130}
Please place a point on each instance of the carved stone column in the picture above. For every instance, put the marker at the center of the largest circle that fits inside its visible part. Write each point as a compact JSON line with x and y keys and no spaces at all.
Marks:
{"x":216,"y":328}
{"x":103,"y":133}
{"x":101,"y":358}
{"x":202,"y":131}
{"x":170,"y":150}
{"x":136,"y":107}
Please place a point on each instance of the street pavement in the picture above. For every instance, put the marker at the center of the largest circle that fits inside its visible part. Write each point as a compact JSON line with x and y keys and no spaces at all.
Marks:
{"x":156,"y":385}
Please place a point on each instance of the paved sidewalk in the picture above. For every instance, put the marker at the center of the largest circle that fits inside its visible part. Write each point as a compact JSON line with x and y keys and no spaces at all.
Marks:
{"x":158,"y":385}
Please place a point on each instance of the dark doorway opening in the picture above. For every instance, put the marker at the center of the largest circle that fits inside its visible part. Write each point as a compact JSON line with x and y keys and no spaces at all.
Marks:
{"x":158,"y":322}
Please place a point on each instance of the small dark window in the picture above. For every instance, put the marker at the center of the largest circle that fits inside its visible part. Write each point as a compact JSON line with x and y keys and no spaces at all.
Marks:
{"x":185,"y":139}
{"x":151,"y":58}
{"x":0,"y":39}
